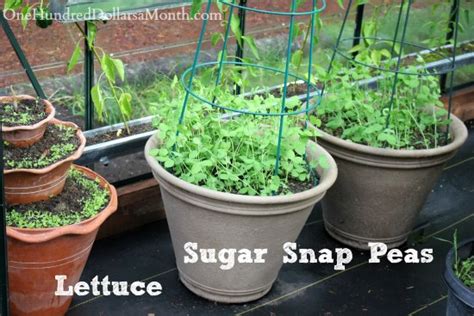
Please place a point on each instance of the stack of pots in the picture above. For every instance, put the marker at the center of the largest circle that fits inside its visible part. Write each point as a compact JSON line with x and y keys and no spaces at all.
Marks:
{"x":36,"y":256}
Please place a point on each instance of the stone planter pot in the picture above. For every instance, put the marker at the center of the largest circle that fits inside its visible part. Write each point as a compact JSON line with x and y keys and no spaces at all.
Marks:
{"x":36,"y":256}
{"x":27,"y":135}
{"x":379,"y":192}
{"x":23,"y":186}
{"x":460,"y":297}
{"x":222,"y":220}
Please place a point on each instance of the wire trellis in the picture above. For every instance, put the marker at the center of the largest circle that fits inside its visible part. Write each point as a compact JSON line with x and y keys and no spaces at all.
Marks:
{"x":190,"y":74}
{"x":399,"y":38}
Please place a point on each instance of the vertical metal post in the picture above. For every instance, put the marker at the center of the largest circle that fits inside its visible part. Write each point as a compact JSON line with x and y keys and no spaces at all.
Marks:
{"x":240,"y":48}
{"x":88,"y":82}
{"x":21,"y":56}
{"x":454,"y":12}
{"x":358,"y":26}
{"x":3,"y":239}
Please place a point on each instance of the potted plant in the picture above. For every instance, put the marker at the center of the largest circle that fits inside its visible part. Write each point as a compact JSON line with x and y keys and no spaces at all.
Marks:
{"x":220,"y":190}
{"x":459,"y":276}
{"x":39,"y":172}
{"x":24,"y":119}
{"x":389,"y":158}
{"x":53,"y":213}
{"x":52,"y":238}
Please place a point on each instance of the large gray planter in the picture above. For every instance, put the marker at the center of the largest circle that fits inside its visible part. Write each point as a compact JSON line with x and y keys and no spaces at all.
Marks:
{"x":223,"y":220}
{"x":380,"y":192}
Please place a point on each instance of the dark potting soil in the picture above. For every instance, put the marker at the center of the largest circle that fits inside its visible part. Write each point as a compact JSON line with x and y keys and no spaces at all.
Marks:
{"x":134,"y":130}
{"x":58,"y":143}
{"x":295,"y":186}
{"x":25,"y":112}
{"x":81,"y":199}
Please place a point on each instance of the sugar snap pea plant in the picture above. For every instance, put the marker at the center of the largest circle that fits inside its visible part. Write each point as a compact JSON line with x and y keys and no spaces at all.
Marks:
{"x":113,"y":69}
{"x":354,"y":112}
{"x":238,"y":154}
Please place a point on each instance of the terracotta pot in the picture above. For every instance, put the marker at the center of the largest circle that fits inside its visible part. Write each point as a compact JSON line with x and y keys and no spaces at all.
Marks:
{"x":27,"y":135}
{"x":23,"y":186}
{"x":36,"y":256}
{"x":222,"y":220}
{"x":380,"y":192}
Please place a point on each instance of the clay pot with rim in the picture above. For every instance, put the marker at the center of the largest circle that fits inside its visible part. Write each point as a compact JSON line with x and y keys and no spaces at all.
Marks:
{"x":221,"y":220}
{"x":26,"y":135}
{"x":24,"y":186}
{"x":36,"y":256}
{"x":379,"y":192}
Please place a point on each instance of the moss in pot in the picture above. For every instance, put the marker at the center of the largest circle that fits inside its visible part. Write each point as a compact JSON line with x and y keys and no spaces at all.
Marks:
{"x":220,"y":190}
{"x":389,"y":159}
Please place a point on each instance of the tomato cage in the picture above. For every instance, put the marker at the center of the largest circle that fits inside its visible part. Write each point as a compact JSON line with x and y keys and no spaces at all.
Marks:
{"x":396,"y":56}
{"x":241,"y":64}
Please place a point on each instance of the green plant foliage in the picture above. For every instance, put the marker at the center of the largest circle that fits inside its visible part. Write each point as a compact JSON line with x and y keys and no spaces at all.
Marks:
{"x":463,"y":267}
{"x":113,"y":68}
{"x":94,"y":199}
{"x":12,"y":116}
{"x":235,"y":155}
{"x":63,"y":148}
{"x":356,"y":113}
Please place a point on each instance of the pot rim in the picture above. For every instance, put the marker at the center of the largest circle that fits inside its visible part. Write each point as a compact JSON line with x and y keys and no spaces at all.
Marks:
{"x":457,"y":127}
{"x":50,"y":109}
{"x":39,"y":235}
{"x":459,"y":289}
{"x":327,"y":180}
{"x":74,"y":156}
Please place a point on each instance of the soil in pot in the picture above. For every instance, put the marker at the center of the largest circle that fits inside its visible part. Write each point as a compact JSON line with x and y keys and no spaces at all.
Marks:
{"x":37,"y":255}
{"x":24,"y":119}
{"x":57,"y":143}
{"x":23,"y":112}
{"x":39,"y":172}
{"x":81,"y":199}
{"x":134,"y":130}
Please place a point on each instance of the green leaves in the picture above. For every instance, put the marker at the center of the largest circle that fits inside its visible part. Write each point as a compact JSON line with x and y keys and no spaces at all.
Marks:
{"x":297,"y":58}
{"x":24,"y":15}
{"x":237,"y":155}
{"x":98,"y":100}
{"x":112,"y":68}
{"x":235,"y":27}
{"x":91,"y":34}
{"x":12,"y":4}
{"x":196,"y":7}
{"x":126,"y":105}
{"x":250,"y":41}
{"x":365,"y":116}
{"x":74,"y":58}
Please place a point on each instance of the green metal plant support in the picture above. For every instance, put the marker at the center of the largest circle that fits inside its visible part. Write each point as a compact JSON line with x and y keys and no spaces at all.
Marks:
{"x":399,"y":38}
{"x":243,"y":7}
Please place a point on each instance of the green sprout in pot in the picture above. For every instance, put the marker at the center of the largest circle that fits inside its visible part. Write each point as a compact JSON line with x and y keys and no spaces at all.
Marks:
{"x":238,"y":154}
